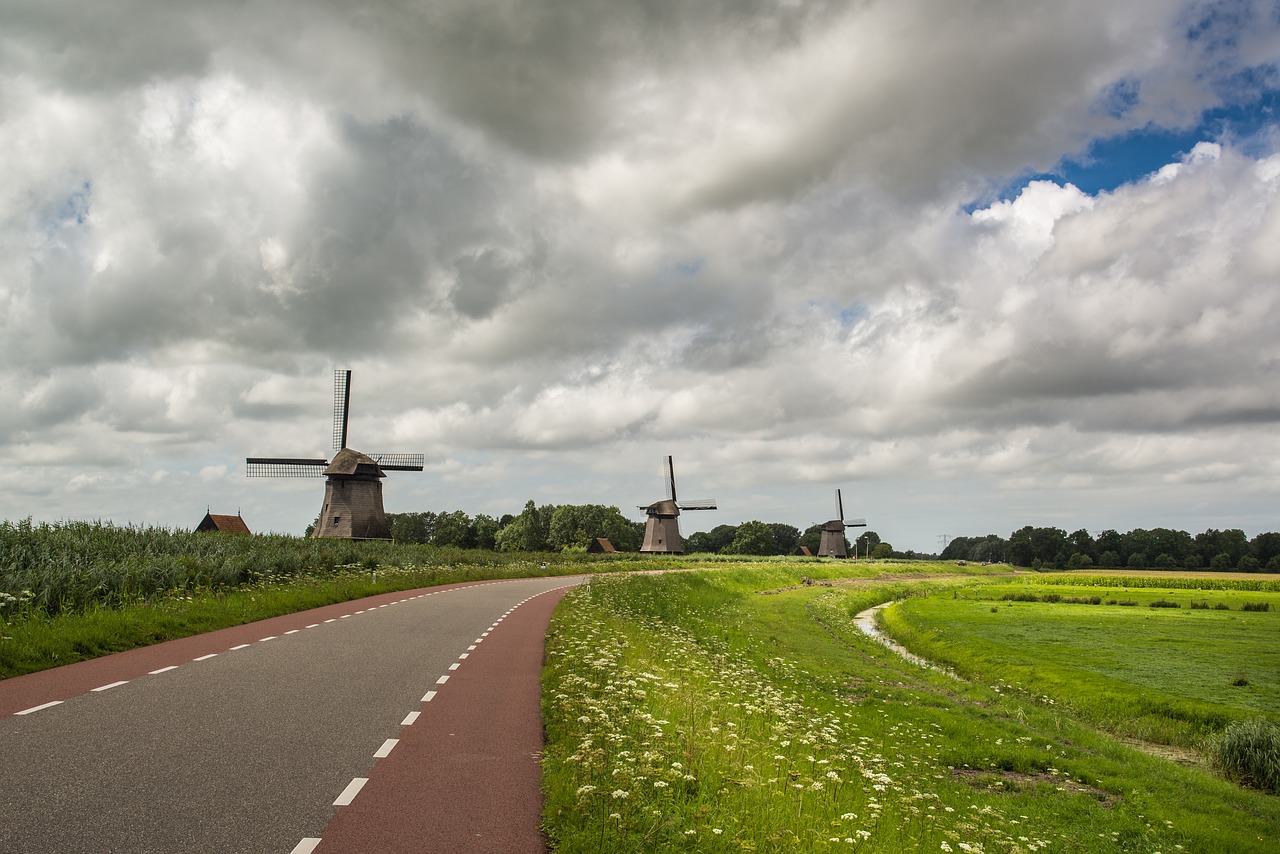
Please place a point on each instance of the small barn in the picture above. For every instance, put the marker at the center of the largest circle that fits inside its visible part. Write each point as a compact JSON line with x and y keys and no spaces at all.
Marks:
{"x":225,"y":524}
{"x":600,"y":545}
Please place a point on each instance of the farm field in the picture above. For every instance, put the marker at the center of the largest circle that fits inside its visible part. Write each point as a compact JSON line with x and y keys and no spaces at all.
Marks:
{"x":1171,"y":674}
{"x":738,"y":710}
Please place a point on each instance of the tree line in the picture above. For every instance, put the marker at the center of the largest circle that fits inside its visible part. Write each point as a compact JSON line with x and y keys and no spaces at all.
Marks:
{"x":1157,"y":548}
{"x":551,"y":527}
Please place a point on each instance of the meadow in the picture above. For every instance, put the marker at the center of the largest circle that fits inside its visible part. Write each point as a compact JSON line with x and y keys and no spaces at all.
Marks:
{"x":742,"y":710}
{"x":1171,"y":674}
{"x":736,"y":707}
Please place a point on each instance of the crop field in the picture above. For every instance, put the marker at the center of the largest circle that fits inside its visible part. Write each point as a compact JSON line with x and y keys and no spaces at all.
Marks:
{"x":737,"y":710}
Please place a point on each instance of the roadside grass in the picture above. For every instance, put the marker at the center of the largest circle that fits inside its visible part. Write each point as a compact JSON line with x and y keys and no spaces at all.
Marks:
{"x":75,"y":590}
{"x":689,"y":712}
{"x":1160,"y":671}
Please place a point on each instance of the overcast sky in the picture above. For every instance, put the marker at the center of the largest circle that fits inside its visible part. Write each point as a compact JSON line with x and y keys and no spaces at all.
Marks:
{"x":979,"y":263}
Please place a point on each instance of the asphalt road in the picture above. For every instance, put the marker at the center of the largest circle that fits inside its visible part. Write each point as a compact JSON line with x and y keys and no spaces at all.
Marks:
{"x":255,"y":739}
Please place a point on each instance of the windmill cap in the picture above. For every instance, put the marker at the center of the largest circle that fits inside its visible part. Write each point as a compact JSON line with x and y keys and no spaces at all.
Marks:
{"x":663,"y":508}
{"x":349,"y":462}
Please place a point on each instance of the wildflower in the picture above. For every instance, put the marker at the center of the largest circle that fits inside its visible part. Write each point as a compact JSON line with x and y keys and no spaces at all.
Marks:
{"x":717,"y":831}
{"x":659,"y":784}
{"x":586,"y":790}
{"x":621,"y":793}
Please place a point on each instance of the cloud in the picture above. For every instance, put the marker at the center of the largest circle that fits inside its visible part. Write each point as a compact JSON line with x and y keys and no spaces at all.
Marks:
{"x":555,"y":240}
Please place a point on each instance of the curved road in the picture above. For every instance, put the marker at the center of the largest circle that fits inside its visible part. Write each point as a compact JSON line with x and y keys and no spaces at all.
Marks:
{"x":403,"y":722}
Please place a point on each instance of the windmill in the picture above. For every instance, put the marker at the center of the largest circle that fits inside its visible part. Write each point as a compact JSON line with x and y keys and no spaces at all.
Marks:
{"x":352,"y":506}
{"x":832,"y":544}
{"x":662,"y":531}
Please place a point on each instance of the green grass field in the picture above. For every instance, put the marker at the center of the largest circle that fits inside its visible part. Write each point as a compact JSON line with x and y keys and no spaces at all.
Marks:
{"x":732,"y":710}
{"x":1163,"y":674}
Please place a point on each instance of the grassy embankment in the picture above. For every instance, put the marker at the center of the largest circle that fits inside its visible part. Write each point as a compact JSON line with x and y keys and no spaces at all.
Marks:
{"x":691,"y":712}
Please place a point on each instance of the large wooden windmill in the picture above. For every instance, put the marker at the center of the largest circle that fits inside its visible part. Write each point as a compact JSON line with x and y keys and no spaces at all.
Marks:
{"x":662,"y":531}
{"x":352,"y":506}
{"x":832,"y":543}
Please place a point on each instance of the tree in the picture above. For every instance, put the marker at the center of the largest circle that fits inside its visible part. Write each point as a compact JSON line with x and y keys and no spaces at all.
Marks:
{"x":528,"y":531}
{"x":576,"y":525}
{"x":1083,"y":544}
{"x":486,"y":528}
{"x":866,"y":542}
{"x":786,"y":537}
{"x":714,"y":541}
{"x":411,"y":527}
{"x":1079,"y":560}
{"x":454,"y":529}
{"x":754,"y":538}
{"x":882,"y":550}
{"x":811,"y":538}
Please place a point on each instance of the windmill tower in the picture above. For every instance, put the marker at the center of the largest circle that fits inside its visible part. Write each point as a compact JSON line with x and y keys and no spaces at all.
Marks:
{"x":662,"y":531}
{"x":352,"y":506}
{"x":832,"y":544}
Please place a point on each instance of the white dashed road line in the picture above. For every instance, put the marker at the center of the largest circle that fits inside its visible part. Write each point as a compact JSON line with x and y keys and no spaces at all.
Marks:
{"x":48,"y":705}
{"x":109,"y":687}
{"x":349,"y":793}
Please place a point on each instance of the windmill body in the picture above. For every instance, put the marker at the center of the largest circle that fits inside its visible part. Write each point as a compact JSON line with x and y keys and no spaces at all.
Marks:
{"x":352,"y":507}
{"x":832,"y":542}
{"x":662,"y":530}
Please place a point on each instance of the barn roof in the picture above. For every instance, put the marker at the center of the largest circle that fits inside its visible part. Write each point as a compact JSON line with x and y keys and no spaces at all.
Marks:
{"x":223,"y":523}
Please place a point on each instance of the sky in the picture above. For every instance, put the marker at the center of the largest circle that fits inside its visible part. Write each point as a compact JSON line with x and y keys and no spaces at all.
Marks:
{"x":980,"y":264}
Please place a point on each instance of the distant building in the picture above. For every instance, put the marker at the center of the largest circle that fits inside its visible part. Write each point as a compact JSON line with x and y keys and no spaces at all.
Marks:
{"x":225,"y":524}
{"x":803,"y":551}
{"x":600,"y":545}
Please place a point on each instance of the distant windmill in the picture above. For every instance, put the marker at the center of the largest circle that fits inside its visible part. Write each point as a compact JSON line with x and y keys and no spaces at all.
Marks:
{"x":352,"y":506}
{"x":662,"y":531}
{"x":832,"y":544}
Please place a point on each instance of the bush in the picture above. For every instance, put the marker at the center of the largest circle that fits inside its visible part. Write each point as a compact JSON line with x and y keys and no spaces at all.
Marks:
{"x":1248,"y":752}
{"x":1256,"y":606}
{"x":1200,"y":606}
{"x":1163,"y":603}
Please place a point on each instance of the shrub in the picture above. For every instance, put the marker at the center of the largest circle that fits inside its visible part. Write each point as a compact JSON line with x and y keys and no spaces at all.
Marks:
{"x":1222,"y":606}
{"x":1256,"y":606}
{"x":1127,"y":602}
{"x":1163,"y":603}
{"x":1248,"y":752}
{"x":1200,"y":606}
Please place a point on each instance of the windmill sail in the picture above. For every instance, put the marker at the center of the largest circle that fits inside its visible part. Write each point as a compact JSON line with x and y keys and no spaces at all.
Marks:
{"x":284,"y":467}
{"x":341,"y":407}
{"x":399,"y":462}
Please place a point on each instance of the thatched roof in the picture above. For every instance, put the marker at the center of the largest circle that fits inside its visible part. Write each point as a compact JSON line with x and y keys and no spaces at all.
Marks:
{"x":349,"y":462}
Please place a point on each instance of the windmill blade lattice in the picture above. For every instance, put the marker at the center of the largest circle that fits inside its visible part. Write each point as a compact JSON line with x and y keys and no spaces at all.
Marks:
{"x":341,"y":407}
{"x":399,"y":462}
{"x":284,"y":467}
